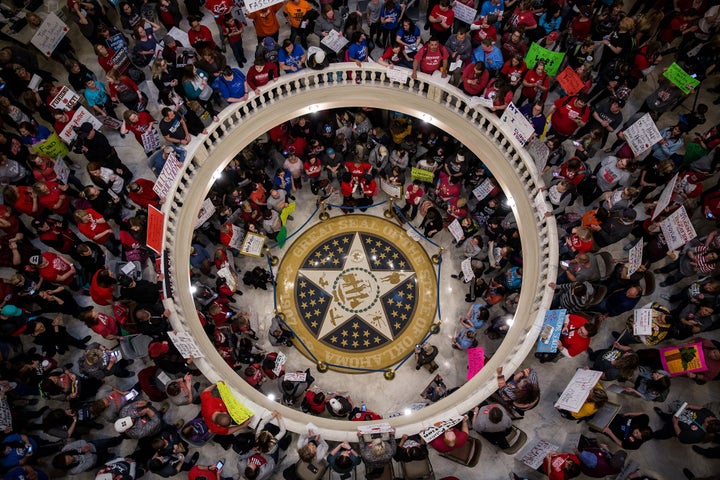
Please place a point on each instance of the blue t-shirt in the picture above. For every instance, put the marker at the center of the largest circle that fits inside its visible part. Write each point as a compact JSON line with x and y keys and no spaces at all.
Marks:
{"x":394,"y":14}
{"x":294,"y":58}
{"x":409,"y":37}
{"x":465,"y":342}
{"x":476,"y":322}
{"x":234,"y":88}
{"x":493,"y":61}
{"x":16,"y":453}
{"x":96,"y":97}
{"x":358,"y":52}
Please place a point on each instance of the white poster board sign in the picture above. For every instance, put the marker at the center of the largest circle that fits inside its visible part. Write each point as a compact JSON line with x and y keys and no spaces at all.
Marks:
{"x":539,"y":152}
{"x":577,"y":391}
{"x":396,"y":74}
{"x":468,"y":273}
{"x":642,"y":323}
{"x":81,"y":116}
{"x":255,"y":5}
{"x":484,"y":189}
{"x":65,"y":99}
{"x":540,"y":204}
{"x":334,"y":41}
{"x":518,"y":126}
{"x":678,"y":229}
{"x":642,"y":134}
{"x":180,"y":36}
{"x":252,"y":245}
{"x":375,"y":428}
{"x":438,"y":428}
{"x":456,"y":230}
{"x":207,"y":210}
{"x":150,"y":139}
{"x":167,"y":176}
{"x":61,"y":169}
{"x":185,"y":344}
{"x":279,"y":363}
{"x":665,"y":196}
{"x":49,"y":34}
{"x":238,"y":235}
{"x":229,"y":275}
{"x":390,"y":189}
{"x":482,"y":101}
{"x":295,"y":376}
{"x":534,"y":455}
{"x":635,"y":257}
{"x":464,"y":13}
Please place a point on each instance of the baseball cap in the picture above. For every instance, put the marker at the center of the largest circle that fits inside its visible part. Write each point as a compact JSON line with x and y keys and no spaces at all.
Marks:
{"x":335,"y":404}
{"x":84,"y":130}
{"x":588,"y":459}
{"x":11,"y":311}
{"x":553,"y":36}
{"x":330,"y":151}
{"x":629,"y":213}
{"x":123,"y":424}
{"x":269,"y":42}
{"x":158,"y":348}
{"x":35,"y":260}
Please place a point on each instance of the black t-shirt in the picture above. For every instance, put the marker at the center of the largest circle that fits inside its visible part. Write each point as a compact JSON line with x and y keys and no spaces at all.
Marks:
{"x":172,"y":128}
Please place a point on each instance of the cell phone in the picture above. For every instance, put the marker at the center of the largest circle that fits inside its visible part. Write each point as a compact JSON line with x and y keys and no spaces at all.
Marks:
{"x":131,"y":394}
{"x":312,"y":468}
{"x":556,"y":174}
{"x":710,"y":215}
{"x":577,"y":144}
{"x":219,"y":465}
{"x":694,"y":75}
{"x":363,"y":408}
{"x":564,"y":263}
{"x":29,"y":449}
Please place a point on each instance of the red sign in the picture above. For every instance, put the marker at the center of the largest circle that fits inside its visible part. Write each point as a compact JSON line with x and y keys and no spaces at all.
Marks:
{"x":570,"y":81}
{"x":155,"y":229}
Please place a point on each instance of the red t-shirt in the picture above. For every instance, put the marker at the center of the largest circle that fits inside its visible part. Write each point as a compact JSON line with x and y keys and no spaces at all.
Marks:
{"x":557,"y":466}
{"x":448,"y":16}
{"x":204,"y":35}
{"x":92,"y":229}
{"x":563,"y":119}
{"x":106,"y":325}
{"x":210,"y":404}
{"x":257,"y":78}
{"x":532,"y":77}
{"x":431,"y":61}
{"x":56,"y":267}
{"x":147,"y":196}
{"x":573,"y":342}
{"x":24,"y":202}
{"x":439,"y":443}
{"x":101,"y":295}
{"x":48,"y":201}
{"x":144,"y":123}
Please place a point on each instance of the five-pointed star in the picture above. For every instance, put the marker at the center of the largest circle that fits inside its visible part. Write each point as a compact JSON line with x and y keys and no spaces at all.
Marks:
{"x":374,"y":315}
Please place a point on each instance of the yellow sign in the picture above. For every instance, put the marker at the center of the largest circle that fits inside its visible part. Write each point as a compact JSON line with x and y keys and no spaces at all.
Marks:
{"x":422,"y":175}
{"x":239,"y":412}
{"x":52,"y":147}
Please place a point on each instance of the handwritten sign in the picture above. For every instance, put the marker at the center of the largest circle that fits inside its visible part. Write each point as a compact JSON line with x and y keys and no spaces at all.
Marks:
{"x":51,"y":146}
{"x":279,"y":363}
{"x":570,"y":81}
{"x":456,"y":230}
{"x":295,"y":376}
{"x":484,"y":189}
{"x":65,"y":99}
{"x":438,"y":428}
{"x":535,"y":453}
{"x":116,"y":42}
{"x":61,"y":169}
{"x":550,"y":331}
{"x":643,"y":321}
{"x":239,"y":412}
{"x":464,"y":13}
{"x":252,"y":245}
{"x":180,"y":36}
{"x":519,"y":126}
{"x":635,"y":257}
{"x":541,"y":206}
{"x":677,"y":229}
{"x":155,"y":229}
{"x":228,"y":273}
{"x":476,"y":361}
{"x":665,"y":196}
{"x":49,"y":34}
{"x":680,"y":78}
{"x":255,"y":5}
{"x":578,"y":389}
{"x":683,"y":359}
{"x":150,"y":139}
{"x":539,"y":152}
{"x":467,"y":270}
{"x":334,"y":41}
{"x":390,"y":189}
{"x":111,"y":123}
{"x":396,"y":74}
{"x":81,"y":116}
{"x":185,"y":344}
{"x":375,"y":428}
{"x":421,"y":174}
{"x":642,"y":134}
{"x":207,"y":210}
{"x":167,"y":176}
{"x":481,"y":101}
{"x":552,"y":60}
{"x":238,"y":235}
{"x":120,"y":61}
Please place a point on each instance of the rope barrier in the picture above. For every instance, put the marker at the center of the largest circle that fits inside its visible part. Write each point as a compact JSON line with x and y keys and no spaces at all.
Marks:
{"x":398,"y":211}
{"x":344,"y":207}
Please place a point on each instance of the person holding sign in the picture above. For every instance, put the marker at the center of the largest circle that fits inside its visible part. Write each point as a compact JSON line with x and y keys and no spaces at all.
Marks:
{"x":535,"y":84}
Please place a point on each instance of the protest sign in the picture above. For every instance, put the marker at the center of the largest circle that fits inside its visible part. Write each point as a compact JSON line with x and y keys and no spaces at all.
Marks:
{"x":423,"y":175}
{"x":61,"y":169}
{"x":155,"y":229}
{"x":438,"y":428}
{"x":476,"y":361}
{"x":120,"y":61}
{"x":65,"y":99}
{"x":51,"y":146}
{"x":295,"y":376}
{"x":375,"y":429}
{"x":238,"y":235}
{"x":239,"y":412}
{"x":680,"y":78}
{"x":665,"y":196}
{"x":180,"y":36}
{"x":117,"y":42}
{"x":534,"y":454}
{"x":481,"y":101}
{"x":635,"y":257}
{"x":482,"y":190}
{"x":570,"y":81}
{"x":550,"y":331}
{"x":464,"y":13}
{"x":643,"y":321}
{"x":185,"y":344}
{"x":167,"y":176}
{"x":227,"y":271}
{"x":397,"y":74}
{"x":334,"y":41}
{"x":519,"y":126}
{"x":279,"y":363}
{"x":150,"y":139}
{"x":456,"y":230}
{"x":539,"y":152}
{"x":540,"y":204}
{"x":577,"y":391}
{"x":49,"y":34}
{"x":207,"y":210}
{"x":642,"y":134}
{"x":683,"y":359}
{"x":552,"y":60}
{"x":81,"y":116}
{"x":111,"y":123}
{"x":252,"y":245}
{"x":468,"y":273}
{"x":677,"y":229}
{"x":255,"y":5}
{"x":390,"y":189}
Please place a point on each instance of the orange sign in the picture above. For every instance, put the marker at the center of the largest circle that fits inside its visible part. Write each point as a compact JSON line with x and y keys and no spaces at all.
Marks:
{"x":155,"y":229}
{"x":570,"y":81}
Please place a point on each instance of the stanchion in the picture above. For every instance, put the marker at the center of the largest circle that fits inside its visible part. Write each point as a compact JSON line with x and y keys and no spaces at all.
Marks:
{"x":390,"y":212}
{"x":321,"y":367}
{"x":273,"y":259}
{"x":435,"y":327}
{"x":436,"y":258}
{"x":324,"y":215}
{"x":389,"y":375}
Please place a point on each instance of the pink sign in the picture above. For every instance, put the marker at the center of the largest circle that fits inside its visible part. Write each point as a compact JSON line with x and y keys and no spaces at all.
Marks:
{"x":476,"y":361}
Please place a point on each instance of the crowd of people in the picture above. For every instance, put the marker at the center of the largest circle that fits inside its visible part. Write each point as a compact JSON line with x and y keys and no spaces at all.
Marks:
{"x":74,"y":225}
